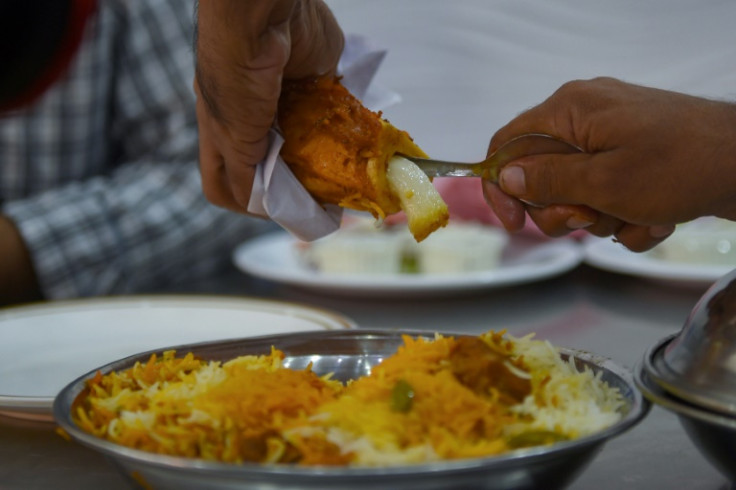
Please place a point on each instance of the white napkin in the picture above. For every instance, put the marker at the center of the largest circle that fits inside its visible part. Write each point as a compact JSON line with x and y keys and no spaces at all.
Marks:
{"x":276,"y":193}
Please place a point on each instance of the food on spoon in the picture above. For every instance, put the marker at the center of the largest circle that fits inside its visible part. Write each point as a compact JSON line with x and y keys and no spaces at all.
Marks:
{"x":435,"y":399}
{"x":345,"y":154}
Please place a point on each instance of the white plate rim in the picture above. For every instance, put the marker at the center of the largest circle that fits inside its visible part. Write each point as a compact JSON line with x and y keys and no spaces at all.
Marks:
{"x":563,"y":254}
{"x":605,"y":254}
{"x":38,"y":408}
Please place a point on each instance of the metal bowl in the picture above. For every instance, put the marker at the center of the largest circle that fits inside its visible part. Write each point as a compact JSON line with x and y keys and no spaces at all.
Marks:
{"x":713,"y":433}
{"x":699,"y":363}
{"x":350,"y":354}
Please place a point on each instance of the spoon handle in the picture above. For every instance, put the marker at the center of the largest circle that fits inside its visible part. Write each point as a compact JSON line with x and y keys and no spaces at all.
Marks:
{"x":521,"y":146}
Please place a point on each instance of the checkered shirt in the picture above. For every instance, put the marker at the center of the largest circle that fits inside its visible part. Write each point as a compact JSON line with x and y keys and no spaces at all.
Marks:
{"x":100,"y":175}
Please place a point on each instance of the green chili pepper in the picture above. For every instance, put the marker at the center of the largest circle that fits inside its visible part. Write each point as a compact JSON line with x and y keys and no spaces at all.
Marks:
{"x":402,"y":396}
{"x":409,"y":264}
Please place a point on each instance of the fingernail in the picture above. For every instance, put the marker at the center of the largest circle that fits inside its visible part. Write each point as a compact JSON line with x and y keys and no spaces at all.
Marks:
{"x":512,"y":181}
{"x":576,"y":223}
{"x":661,"y":231}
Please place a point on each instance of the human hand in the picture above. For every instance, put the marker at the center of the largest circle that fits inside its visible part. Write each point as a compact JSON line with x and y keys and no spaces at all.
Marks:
{"x":18,"y":281}
{"x":244,"y":51}
{"x":652,"y":159}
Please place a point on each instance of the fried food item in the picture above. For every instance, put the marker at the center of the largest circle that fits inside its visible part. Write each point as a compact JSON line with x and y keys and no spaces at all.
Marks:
{"x":345,"y":154}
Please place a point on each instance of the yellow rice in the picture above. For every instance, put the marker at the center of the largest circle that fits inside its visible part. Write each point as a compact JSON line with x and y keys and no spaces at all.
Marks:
{"x":414,"y":407}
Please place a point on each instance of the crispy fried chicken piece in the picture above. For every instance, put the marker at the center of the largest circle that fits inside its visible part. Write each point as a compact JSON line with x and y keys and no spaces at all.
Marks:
{"x":342,"y":153}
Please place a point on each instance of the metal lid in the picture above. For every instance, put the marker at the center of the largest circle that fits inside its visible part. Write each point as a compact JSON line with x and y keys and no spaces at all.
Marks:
{"x":699,"y":363}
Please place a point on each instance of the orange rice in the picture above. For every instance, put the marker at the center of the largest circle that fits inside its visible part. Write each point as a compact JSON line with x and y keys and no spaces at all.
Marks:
{"x":432,"y":400}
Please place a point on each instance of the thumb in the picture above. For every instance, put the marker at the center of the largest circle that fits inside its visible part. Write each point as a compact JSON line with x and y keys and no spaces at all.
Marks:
{"x":546,"y":179}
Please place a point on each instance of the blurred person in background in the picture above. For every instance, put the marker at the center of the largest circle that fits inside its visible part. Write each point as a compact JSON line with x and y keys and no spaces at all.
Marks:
{"x":99,"y":182}
{"x":651,"y":158}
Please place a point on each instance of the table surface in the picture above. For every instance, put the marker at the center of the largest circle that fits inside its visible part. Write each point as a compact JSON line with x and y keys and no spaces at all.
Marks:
{"x":610,"y":314}
{"x":463,"y":69}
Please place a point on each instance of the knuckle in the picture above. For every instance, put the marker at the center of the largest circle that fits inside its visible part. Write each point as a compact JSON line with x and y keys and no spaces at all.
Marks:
{"x":572,"y":88}
{"x":543,"y":183}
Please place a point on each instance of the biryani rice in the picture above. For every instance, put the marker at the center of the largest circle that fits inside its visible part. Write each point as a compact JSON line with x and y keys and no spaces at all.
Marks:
{"x":438,"y":399}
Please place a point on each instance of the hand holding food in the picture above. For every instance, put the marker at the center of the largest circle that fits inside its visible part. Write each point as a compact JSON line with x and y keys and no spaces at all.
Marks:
{"x":652,"y":159}
{"x":345,"y":154}
{"x":244,"y":50}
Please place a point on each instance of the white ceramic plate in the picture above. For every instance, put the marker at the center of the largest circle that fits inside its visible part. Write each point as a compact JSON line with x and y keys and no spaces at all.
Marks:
{"x":46,"y":346}
{"x":605,"y":254}
{"x":272,"y":257}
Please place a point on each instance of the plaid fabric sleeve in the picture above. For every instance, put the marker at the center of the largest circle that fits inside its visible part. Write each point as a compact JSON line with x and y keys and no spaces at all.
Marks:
{"x":142,"y":223}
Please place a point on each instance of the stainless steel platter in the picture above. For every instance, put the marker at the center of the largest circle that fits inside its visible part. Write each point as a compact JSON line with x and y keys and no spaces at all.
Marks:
{"x":349,"y":354}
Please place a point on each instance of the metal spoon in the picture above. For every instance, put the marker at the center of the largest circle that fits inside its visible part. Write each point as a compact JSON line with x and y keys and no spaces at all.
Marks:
{"x":524,"y":145}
